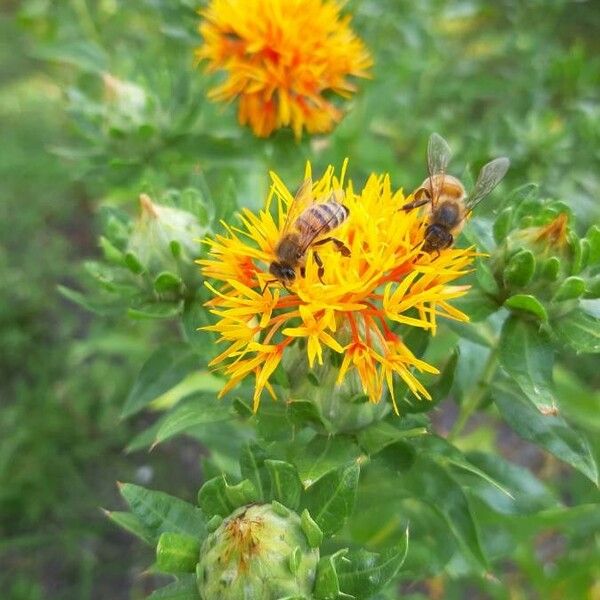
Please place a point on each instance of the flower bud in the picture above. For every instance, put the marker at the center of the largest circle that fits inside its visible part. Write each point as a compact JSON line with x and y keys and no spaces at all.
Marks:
{"x":342,"y":406}
{"x":165,"y":238}
{"x":259,"y":552}
{"x":126,"y":100}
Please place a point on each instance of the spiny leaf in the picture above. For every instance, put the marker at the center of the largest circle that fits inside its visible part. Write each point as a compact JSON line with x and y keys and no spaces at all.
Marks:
{"x":362,"y":573}
{"x":527,"y":356}
{"x":131,"y":523}
{"x":199,"y":409}
{"x":285,"y":483}
{"x":158,"y":512}
{"x":252,"y":467}
{"x":185,"y":588}
{"x":162,"y":371}
{"x":579,"y":330}
{"x":322,"y":455}
{"x":176,"y":553}
{"x":331,"y":500}
{"x":548,"y":431}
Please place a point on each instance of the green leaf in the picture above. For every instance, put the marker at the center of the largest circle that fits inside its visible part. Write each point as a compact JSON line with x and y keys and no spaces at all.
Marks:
{"x":158,"y":512}
{"x":131,"y":523}
{"x":327,"y":585}
{"x":485,"y":278}
{"x":285,"y":483}
{"x":362,"y":574}
{"x":85,"y":55}
{"x":477,"y":304}
{"x":322,"y":455}
{"x":311,"y":530}
{"x":570,"y":289}
{"x":528,"y":304}
{"x":578,"y":401}
{"x":520,"y":269}
{"x":477,"y":333}
{"x":175,"y":248}
{"x":111,"y":253}
{"x":579,"y":330}
{"x":199,"y":409}
{"x":133,"y":264}
{"x":579,"y":252}
{"x":528,"y":494}
{"x":176,"y":553}
{"x":443,"y":384}
{"x":593,"y":238}
{"x":548,"y":431}
{"x":186,"y":588}
{"x":376,"y":437}
{"x":195,"y":316}
{"x":252,"y":467}
{"x":432,"y":483}
{"x":331,"y":500}
{"x":156,"y":310}
{"x":167,"y":282}
{"x":447,"y":455}
{"x":503,"y":224}
{"x":528,"y":357}
{"x":162,"y":371}
{"x":303,"y":412}
{"x":551,"y":268}
{"x":592,"y":288}
{"x":213,"y":499}
{"x":241,"y":493}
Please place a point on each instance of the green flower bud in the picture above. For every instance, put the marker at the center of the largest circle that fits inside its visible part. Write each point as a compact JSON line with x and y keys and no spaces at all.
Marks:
{"x":341,"y":408}
{"x":258,"y":552}
{"x":165,"y":239}
{"x":126,"y":102}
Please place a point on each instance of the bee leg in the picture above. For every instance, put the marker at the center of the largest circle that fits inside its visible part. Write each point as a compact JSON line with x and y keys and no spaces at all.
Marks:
{"x":267,"y":284}
{"x":415,"y":204}
{"x":340,"y":246}
{"x":302,"y":272}
{"x":421,"y":197}
{"x":321,"y":269}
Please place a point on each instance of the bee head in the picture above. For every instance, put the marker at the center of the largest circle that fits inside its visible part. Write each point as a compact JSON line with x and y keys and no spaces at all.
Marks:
{"x":283,"y":272}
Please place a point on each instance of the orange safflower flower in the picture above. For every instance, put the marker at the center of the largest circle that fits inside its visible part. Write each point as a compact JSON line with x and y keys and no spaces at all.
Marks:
{"x":283,"y":59}
{"x":354,"y":310}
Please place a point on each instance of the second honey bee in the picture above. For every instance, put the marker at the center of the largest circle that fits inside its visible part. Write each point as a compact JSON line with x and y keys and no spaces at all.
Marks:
{"x":307,"y":224}
{"x":449,"y":204}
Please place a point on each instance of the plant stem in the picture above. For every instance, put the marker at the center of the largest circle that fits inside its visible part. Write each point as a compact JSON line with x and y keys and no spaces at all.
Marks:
{"x":475,"y":395}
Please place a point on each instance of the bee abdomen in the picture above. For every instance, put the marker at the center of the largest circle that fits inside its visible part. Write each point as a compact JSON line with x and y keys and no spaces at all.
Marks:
{"x":322,"y":217}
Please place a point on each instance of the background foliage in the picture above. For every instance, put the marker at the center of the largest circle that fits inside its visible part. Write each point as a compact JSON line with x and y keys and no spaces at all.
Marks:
{"x":514,"y":78}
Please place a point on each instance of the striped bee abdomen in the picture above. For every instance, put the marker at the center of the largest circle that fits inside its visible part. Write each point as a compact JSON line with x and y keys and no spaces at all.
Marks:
{"x":322,"y":218}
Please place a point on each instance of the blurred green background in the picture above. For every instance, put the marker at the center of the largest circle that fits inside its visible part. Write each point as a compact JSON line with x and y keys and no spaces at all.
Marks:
{"x":520,"y":78}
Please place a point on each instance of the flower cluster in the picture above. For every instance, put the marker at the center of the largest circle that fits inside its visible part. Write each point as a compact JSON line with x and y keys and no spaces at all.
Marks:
{"x":386,"y":280}
{"x":283,"y":59}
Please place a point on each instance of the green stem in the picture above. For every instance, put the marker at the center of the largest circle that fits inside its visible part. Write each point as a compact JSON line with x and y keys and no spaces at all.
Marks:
{"x":475,"y":395}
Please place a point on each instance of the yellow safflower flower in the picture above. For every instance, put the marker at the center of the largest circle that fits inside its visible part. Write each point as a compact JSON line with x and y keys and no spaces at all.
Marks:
{"x":386,"y":279}
{"x":282,"y":59}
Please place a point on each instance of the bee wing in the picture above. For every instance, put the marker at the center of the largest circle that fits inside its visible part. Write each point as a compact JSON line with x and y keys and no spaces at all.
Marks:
{"x":489,"y":177}
{"x":438,"y":154}
{"x":438,"y":157}
{"x":303,"y":198}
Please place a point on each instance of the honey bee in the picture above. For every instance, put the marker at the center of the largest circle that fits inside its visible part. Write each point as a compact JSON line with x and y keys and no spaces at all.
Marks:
{"x":448,"y":202}
{"x":307,"y":221}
